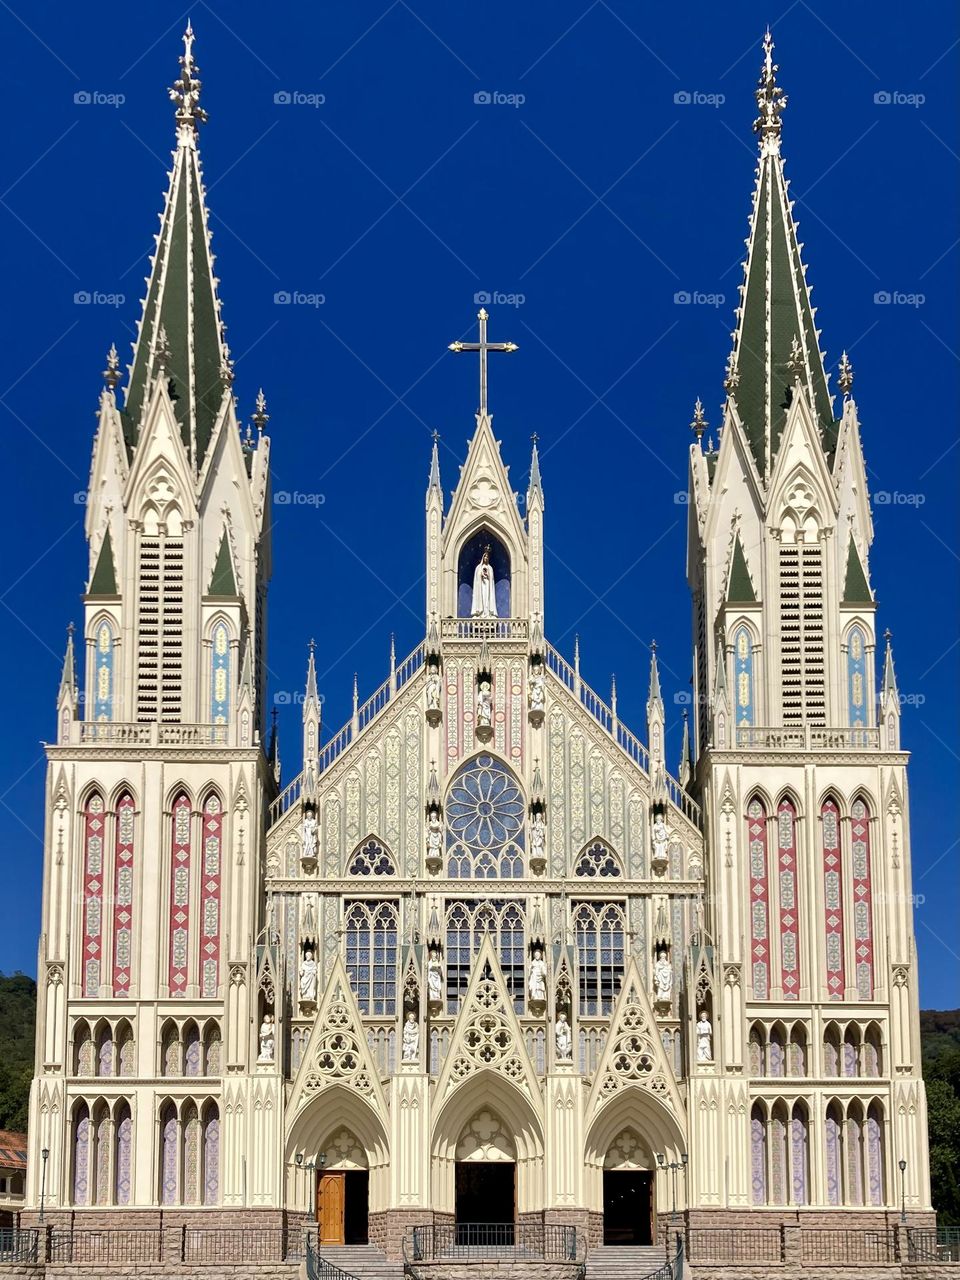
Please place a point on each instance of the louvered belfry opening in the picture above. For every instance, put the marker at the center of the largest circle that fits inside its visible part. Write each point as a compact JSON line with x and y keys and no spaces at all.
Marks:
{"x":160,"y":630}
{"x":802,"y":671}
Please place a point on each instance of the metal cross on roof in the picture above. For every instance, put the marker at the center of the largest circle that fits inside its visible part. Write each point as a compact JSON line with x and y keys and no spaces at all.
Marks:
{"x":483,"y":346}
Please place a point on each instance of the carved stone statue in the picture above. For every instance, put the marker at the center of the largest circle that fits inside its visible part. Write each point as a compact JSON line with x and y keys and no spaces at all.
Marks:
{"x":563,"y":1038}
{"x":484,"y":706}
{"x":434,"y":688}
{"x":267,"y":1038}
{"x":538,"y":690}
{"x":309,"y":834}
{"x":537,"y":979}
{"x":660,"y":836}
{"x":434,"y":979}
{"x":308,"y":979}
{"x":704,"y":1038}
{"x":663,"y":979}
{"x":434,"y":841}
{"x":538,"y":841}
{"x":410,"y":1049}
{"x":484,"y":604}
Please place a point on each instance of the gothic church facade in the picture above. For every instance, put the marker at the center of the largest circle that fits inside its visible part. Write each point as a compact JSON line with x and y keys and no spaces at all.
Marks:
{"x":485,"y":959}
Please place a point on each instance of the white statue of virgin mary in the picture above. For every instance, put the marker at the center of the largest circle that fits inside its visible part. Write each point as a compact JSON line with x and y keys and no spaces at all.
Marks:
{"x":484,"y":589}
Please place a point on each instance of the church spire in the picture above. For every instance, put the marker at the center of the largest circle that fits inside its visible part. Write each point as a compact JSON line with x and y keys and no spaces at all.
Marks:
{"x":776,"y":343}
{"x":181,"y":328}
{"x":68,"y":677}
{"x":535,"y":487}
{"x":434,"y":481}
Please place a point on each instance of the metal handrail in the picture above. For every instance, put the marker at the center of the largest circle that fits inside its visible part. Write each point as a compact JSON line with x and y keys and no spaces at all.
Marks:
{"x":319,"y":1268}
{"x":19,"y":1244}
{"x":477,"y":1241}
{"x":933,"y":1244}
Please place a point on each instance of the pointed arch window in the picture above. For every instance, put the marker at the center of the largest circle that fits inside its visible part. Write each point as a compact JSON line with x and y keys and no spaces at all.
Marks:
{"x":857,"y":677}
{"x":834,"y":1151}
{"x":600,"y":930}
{"x":122,"y":1156}
{"x":169,"y":1155}
{"x":800,"y":1154}
{"x":789,"y":899}
{"x":103,"y":673}
{"x":179,"y":940}
{"x":81,"y":1154}
{"x":597,"y":861}
{"x":777,"y":1139}
{"x":743,"y":676}
{"x":123,"y":869}
{"x":212,"y":826}
{"x":372,"y":859}
{"x":862,"y":883}
{"x":93,"y":875}
{"x":220,"y":674}
{"x":874,"y":1145}
{"x":467,"y":923}
{"x":372,"y":954}
{"x":759,"y":899}
{"x":484,"y":812}
{"x":211,"y":1154}
{"x":832,"y":898}
{"x":758,"y":1154}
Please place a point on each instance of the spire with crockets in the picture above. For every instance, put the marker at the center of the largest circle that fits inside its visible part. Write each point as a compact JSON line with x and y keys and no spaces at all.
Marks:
{"x":776,"y":343}
{"x":181,"y":332}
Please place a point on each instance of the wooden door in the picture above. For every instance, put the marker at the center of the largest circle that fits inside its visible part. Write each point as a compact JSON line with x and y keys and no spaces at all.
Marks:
{"x":330,"y":1205}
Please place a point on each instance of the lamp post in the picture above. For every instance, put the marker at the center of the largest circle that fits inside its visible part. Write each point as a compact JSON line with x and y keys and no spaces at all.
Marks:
{"x":44,"y":1156}
{"x":673,"y":1166}
{"x":902,"y":1166}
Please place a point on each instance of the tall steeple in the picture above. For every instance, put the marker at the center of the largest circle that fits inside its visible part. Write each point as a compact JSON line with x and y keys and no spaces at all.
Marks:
{"x":181,"y":303}
{"x":776,"y":342}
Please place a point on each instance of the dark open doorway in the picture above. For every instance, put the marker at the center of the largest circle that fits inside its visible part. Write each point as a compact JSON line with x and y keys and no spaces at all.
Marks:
{"x":356,"y":1204}
{"x":627,"y":1206}
{"x":486,"y":1197}
{"x":342,"y":1207}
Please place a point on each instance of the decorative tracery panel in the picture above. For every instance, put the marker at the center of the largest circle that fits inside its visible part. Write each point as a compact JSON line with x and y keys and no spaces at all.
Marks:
{"x":857,"y":677}
{"x":103,"y":673}
{"x":220,"y":675}
{"x":485,"y":812}
{"x":759,"y":899}
{"x":210,"y":884}
{"x":179,"y":895}
{"x":743,"y":676}
{"x":597,"y":861}
{"x":123,"y":869}
{"x":862,"y":898}
{"x":371,"y":859}
{"x":789,"y":899}
{"x":93,"y":869}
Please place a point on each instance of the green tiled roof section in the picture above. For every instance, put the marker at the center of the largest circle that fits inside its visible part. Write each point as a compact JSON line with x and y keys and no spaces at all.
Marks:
{"x":740,"y":589}
{"x":223,"y":582}
{"x":104,"y":580}
{"x":752,"y":352}
{"x":207,"y":374}
{"x":136,"y":395}
{"x":856,"y":590}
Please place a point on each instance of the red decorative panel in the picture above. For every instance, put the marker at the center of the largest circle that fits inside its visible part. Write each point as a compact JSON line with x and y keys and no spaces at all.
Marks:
{"x":789,"y":899}
{"x":833,"y":898}
{"x":210,"y":896}
{"x":179,"y":895}
{"x":516,"y":714}
{"x":862,"y":898}
{"x":453,"y":715}
{"x":123,"y":896}
{"x":759,"y":901}
{"x":92,"y":945}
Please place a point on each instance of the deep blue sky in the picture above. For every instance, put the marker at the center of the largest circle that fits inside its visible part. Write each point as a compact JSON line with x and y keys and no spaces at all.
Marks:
{"x":598,"y":199}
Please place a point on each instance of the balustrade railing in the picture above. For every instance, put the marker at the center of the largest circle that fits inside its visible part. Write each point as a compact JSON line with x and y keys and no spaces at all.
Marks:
{"x":119,"y":734}
{"x":318,"y":1267}
{"x":476,"y":1241}
{"x":807,"y":737}
{"x":484,"y":629}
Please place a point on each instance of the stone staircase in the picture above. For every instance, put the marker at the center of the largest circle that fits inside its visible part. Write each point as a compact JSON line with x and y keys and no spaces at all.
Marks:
{"x":624,"y":1262}
{"x":363,"y":1260}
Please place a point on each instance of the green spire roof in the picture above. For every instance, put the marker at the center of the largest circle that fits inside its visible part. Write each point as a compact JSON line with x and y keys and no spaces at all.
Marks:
{"x":180,"y":329}
{"x":223,"y":582}
{"x":740,"y":588}
{"x":856,"y":589}
{"x":776,"y":339}
{"x":104,"y":580}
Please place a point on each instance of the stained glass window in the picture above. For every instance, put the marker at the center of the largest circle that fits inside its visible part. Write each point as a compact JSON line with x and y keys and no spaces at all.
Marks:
{"x":191,"y":1154}
{"x":372,"y":934}
{"x":220,"y":675}
{"x":81,"y":1154}
{"x":211,"y":1155}
{"x":799,"y":1158}
{"x":372,"y":859}
{"x":467,"y":924}
{"x":124,"y":1141}
{"x":485,"y":812}
{"x":759,"y":900}
{"x":103,"y":1156}
{"x":777,"y":1133}
{"x":169,"y":1156}
{"x":758,"y":1155}
{"x":597,"y":860}
{"x":834,"y":1144}
{"x":191,"y":1054}
{"x":103,"y":673}
{"x":875,"y":1153}
{"x":743,"y":676}
{"x":600,"y":932}
{"x":857,"y":677}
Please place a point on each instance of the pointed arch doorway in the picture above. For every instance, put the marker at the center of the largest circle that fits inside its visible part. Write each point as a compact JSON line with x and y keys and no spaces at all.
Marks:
{"x":629,"y":1208}
{"x":342,"y":1192}
{"x":485,"y":1182}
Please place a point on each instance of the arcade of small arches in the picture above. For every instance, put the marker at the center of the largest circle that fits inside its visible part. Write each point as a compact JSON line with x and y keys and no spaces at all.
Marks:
{"x":104,"y":1049}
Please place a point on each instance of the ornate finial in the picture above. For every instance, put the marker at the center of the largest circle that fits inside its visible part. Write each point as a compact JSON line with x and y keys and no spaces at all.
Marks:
{"x":162,"y":352}
{"x":226,"y":367}
{"x":71,"y":628}
{"x":534,"y":438}
{"x":312,"y":646}
{"x":887,"y":635}
{"x":771,"y":101}
{"x":795,"y":361}
{"x":185,"y":91}
{"x":731,"y":378}
{"x":699,"y":423}
{"x":483,"y":347}
{"x":111,"y":374}
{"x":845,"y":379}
{"x":260,"y":417}
{"x":436,"y":436}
